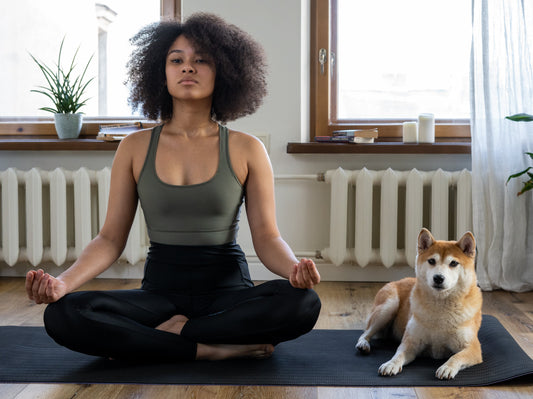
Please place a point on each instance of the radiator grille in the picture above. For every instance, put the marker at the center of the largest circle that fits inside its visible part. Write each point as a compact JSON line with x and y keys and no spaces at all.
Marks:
{"x":52,"y":215}
{"x":376,"y":216}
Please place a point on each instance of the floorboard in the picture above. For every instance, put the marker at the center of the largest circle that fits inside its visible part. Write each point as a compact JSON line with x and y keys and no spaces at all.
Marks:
{"x":344,"y":306}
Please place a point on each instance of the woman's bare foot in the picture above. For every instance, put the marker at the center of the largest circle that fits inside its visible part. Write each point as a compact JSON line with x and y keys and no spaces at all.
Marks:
{"x":218,"y":351}
{"x":174,"y":324}
{"x":223,"y":351}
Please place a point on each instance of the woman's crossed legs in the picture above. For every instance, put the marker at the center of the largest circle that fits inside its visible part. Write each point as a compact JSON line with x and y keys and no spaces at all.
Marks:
{"x":140,"y":324}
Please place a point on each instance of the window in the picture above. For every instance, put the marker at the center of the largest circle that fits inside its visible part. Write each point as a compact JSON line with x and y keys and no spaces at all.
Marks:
{"x":98,"y":27}
{"x":383,"y":62}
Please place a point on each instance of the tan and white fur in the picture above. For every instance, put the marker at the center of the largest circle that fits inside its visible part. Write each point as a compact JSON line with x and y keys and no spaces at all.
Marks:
{"x":437,"y":313}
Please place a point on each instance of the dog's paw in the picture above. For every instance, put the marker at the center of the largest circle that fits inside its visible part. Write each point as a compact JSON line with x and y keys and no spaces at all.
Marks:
{"x":363,"y":346}
{"x":390,"y":368}
{"x":446,"y":372}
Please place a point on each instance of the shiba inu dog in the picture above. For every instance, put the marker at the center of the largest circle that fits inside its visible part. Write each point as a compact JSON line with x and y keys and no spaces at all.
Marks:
{"x":437,"y":313}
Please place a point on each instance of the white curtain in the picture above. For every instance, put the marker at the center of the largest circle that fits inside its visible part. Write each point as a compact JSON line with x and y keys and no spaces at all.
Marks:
{"x":502,"y":82}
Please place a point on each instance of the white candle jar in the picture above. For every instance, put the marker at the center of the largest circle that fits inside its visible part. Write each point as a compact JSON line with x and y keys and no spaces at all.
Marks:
{"x":410,"y":132}
{"x":426,"y":128}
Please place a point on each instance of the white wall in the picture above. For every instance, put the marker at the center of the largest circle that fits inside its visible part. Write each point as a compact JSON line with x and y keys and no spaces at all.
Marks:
{"x":303,"y":207}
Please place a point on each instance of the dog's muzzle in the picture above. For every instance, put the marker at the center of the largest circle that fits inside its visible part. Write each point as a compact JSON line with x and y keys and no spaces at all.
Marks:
{"x":438,"y":279}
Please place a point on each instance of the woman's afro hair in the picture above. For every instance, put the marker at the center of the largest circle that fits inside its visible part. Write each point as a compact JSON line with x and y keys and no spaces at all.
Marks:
{"x":240,"y":83}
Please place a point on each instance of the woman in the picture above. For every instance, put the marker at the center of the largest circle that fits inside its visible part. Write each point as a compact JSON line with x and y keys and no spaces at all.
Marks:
{"x":191,"y":175}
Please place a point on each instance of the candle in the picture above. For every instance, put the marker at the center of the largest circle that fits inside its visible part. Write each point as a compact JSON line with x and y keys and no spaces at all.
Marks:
{"x":410,"y":132}
{"x":426,"y":128}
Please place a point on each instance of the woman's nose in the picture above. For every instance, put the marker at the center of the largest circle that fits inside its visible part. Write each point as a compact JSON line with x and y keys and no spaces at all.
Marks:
{"x":187,"y":67}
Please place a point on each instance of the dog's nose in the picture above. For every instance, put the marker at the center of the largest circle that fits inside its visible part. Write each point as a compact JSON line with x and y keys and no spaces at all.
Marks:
{"x":438,"y":279}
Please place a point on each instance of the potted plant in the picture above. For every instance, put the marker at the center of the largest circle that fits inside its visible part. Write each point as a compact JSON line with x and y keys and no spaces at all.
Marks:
{"x":67,"y":93}
{"x":528,"y":185}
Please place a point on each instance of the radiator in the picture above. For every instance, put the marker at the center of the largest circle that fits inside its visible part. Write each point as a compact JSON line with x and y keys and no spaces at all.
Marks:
{"x":407,"y":201}
{"x":375,"y":216}
{"x":52,"y":215}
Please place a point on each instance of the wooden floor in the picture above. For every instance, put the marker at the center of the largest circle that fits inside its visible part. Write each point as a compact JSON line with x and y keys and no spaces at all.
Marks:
{"x":344,"y":306}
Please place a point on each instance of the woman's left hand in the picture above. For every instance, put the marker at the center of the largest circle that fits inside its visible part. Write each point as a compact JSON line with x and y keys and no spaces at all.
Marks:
{"x":304,"y":274}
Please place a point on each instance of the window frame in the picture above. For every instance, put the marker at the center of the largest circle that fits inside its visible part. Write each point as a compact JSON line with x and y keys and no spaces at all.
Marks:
{"x":44,"y":126}
{"x":323,"y":87}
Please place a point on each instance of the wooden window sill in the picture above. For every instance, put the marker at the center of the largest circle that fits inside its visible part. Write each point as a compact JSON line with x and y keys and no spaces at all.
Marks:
{"x":385,"y":145}
{"x":33,"y":134}
{"x":381,"y":146}
{"x":53,"y":143}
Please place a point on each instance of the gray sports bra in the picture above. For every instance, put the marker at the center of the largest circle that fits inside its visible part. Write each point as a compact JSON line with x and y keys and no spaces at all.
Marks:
{"x":196,"y":214}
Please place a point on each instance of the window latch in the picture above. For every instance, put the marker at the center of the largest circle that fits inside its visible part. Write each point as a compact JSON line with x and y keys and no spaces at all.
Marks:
{"x":332,"y":63}
{"x":322,"y":59}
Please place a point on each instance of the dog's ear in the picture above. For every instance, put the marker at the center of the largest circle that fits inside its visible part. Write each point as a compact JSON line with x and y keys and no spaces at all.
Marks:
{"x":467,"y":243}
{"x":425,"y":240}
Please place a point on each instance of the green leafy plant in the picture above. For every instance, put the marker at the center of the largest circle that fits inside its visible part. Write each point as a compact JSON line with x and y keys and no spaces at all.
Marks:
{"x":64,"y":89}
{"x":528,"y":185}
{"x":520,"y":117}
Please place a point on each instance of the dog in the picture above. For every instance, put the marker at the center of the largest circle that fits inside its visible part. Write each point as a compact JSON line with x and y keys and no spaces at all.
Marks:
{"x":436,"y":314}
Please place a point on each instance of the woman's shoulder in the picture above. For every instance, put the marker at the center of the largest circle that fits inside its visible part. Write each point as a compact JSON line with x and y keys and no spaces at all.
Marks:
{"x":139,"y":135}
{"x":249,"y":152}
{"x":137,"y":140}
{"x":133,"y":149}
{"x":245,"y":141}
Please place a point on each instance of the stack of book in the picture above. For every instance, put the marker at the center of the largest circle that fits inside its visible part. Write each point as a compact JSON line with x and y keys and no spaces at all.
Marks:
{"x":118,"y":131}
{"x":356,"y":136}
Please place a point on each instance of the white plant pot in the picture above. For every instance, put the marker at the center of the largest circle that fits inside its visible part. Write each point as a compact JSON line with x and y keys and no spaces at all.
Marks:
{"x":68,"y":126}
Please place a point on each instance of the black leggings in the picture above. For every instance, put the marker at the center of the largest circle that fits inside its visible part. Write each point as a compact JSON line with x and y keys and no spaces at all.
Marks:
{"x":209,"y":285}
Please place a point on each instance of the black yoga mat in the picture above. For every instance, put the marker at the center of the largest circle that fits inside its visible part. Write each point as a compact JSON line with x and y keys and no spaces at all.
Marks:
{"x":320,"y":358}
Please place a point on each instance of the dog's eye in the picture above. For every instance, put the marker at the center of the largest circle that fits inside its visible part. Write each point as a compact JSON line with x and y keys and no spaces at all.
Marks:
{"x":432,"y":262}
{"x":453,"y":263}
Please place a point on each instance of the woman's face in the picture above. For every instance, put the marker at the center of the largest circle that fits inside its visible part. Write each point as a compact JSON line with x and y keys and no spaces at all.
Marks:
{"x":190,"y":74}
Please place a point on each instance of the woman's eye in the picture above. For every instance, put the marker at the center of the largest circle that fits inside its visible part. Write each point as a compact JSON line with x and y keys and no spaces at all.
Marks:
{"x":176,"y":61}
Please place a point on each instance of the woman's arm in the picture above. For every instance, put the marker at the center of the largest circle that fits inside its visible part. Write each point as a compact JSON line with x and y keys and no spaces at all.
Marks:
{"x":270,"y":247}
{"x":107,"y":246}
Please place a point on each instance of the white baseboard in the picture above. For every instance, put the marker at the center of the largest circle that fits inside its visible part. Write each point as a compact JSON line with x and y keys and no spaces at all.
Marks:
{"x":328,"y":272}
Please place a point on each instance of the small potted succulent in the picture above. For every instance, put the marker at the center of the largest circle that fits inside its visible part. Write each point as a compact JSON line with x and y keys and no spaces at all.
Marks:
{"x":528,"y":184}
{"x":67,"y":92}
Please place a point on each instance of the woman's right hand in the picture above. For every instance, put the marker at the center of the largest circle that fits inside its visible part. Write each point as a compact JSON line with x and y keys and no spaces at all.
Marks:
{"x":43,"y":288}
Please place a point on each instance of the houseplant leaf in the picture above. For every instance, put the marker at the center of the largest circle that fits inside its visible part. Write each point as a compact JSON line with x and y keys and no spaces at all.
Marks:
{"x":520,"y":117}
{"x":65,"y":90}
